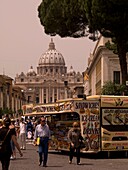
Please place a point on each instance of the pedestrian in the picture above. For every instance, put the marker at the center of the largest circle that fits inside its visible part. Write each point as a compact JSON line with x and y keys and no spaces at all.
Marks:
{"x":6,"y":135}
{"x":12,"y":126}
{"x":1,"y":123}
{"x":42,"y":132}
{"x":29,"y":128}
{"x":22,"y":134}
{"x":74,"y":136}
{"x":17,"y":127}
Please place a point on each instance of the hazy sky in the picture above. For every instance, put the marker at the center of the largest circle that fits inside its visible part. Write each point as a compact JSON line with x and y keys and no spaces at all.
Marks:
{"x":22,"y":40}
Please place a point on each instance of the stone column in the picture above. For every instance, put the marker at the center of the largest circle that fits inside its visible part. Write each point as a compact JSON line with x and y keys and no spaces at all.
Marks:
{"x":53,"y":97}
{"x":47,"y":95}
{"x":58,"y":93}
{"x":40,"y":95}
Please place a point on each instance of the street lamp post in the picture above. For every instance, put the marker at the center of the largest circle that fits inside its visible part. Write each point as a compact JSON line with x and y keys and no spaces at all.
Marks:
{"x":66,"y":89}
{"x":49,"y":93}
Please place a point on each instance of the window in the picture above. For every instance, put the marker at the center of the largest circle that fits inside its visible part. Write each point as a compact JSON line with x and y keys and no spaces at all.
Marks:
{"x":116,"y":77}
{"x":50,"y":99}
{"x":29,"y":99}
{"x":78,"y":80}
{"x":37,"y":99}
{"x":22,"y":80}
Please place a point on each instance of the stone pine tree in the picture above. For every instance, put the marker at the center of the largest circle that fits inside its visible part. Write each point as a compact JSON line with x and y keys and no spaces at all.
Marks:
{"x":63,"y":17}
{"x":75,"y":18}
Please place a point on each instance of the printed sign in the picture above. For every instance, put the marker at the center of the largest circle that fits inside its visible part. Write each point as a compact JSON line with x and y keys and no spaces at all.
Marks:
{"x":115,"y":116}
{"x":90,"y":123}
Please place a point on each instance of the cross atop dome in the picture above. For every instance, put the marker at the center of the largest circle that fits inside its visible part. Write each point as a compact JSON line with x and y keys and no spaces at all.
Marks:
{"x":51,"y":45}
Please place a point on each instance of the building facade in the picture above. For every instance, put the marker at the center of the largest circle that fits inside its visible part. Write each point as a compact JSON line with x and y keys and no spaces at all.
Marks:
{"x":103,"y":66}
{"x":51,"y":81}
{"x":11,"y":97}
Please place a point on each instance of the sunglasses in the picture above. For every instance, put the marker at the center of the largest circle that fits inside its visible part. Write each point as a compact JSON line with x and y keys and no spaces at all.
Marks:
{"x":42,"y":120}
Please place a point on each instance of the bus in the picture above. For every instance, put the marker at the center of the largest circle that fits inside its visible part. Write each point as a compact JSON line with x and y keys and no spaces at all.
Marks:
{"x":113,"y":122}
{"x":103,"y":121}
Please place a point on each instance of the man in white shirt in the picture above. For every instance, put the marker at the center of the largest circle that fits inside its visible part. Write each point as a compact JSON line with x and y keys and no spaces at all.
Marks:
{"x":42,"y":131}
{"x":22,"y":134}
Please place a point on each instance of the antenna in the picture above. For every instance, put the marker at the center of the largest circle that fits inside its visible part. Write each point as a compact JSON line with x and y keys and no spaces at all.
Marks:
{"x":3,"y":71}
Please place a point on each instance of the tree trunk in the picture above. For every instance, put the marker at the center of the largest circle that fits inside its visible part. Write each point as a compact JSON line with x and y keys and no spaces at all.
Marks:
{"x":122,"y":59}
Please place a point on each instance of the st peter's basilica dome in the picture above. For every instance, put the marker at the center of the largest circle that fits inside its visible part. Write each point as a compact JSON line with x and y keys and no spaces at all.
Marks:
{"x":51,"y":56}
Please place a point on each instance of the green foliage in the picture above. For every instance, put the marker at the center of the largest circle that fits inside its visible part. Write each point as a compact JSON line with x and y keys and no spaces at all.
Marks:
{"x":112,"y":46}
{"x":75,"y":18}
{"x":5,"y":111}
{"x":65,"y":17}
{"x":20,"y":112}
{"x":111,"y":88}
{"x":110,"y":18}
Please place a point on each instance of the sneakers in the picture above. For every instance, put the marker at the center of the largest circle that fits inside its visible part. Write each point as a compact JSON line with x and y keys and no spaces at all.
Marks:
{"x":14,"y":157}
{"x":79,"y":163}
{"x":11,"y":158}
{"x":70,"y":162}
{"x":40,"y":163}
{"x":22,"y":148}
{"x":44,"y":165}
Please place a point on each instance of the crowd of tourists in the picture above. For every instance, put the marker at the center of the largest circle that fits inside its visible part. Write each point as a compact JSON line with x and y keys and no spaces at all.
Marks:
{"x":13,"y":131}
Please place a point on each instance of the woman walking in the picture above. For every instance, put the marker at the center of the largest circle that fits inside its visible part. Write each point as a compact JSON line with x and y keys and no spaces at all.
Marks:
{"x":6,"y":135}
{"x":74,"y":136}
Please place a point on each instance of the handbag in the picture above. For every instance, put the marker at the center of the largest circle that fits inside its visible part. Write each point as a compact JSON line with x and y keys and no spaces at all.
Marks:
{"x":2,"y":142}
{"x":38,"y":141}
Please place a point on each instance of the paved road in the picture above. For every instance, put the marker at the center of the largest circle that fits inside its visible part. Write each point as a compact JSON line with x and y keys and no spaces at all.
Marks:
{"x":58,"y":161}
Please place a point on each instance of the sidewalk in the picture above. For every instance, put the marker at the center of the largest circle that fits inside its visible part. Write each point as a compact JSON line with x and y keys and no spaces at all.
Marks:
{"x":56,"y":161}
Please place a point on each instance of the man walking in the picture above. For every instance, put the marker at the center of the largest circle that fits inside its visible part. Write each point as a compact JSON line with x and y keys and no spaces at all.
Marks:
{"x":42,"y":132}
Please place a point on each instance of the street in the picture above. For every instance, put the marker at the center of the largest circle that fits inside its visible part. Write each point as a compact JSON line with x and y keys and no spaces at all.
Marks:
{"x":59,"y":161}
